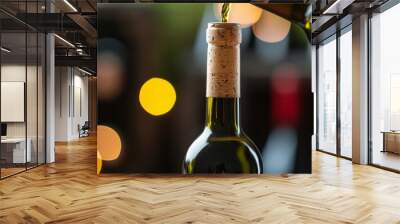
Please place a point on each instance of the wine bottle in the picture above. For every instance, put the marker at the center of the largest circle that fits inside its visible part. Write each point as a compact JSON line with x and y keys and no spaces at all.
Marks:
{"x":223,"y":147}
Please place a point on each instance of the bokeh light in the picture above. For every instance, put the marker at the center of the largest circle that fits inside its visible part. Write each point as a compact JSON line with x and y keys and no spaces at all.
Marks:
{"x":286,"y":79}
{"x":157,"y":96}
{"x":286,"y":95}
{"x":271,"y":28}
{"x":108,"y":143}
{"x":307,"y":25}
{"x":245,"y":14}
{"x":110,"y":67}
{"x":109,"y":76}
{"x":272,"y":53}
{"x":280,"y":151}
{"x":99,"y":163}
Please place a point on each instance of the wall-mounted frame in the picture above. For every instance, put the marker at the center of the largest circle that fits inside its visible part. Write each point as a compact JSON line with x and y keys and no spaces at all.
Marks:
{"x":13,"y":98}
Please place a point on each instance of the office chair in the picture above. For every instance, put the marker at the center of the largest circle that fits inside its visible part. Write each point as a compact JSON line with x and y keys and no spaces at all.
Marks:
{"x":84,"y":130}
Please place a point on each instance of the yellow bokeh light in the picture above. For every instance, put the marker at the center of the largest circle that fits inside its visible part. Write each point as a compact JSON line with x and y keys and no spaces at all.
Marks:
{"x":245,"y":14}
{"x":99,"y":163}
{"x":157,"y":96}
{"x":307,"y":25}
{"x":271,"y":28}
{"x":108,"y":143}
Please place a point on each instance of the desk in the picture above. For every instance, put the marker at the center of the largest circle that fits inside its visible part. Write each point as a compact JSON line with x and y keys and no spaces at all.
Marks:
{"x":13,"y":150}
{"x":391,"y":141}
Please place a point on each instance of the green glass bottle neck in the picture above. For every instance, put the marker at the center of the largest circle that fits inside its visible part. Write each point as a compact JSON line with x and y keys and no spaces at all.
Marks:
{"x":223,"y":115}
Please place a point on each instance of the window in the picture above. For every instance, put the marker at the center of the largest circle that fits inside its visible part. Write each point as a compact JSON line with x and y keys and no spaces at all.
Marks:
{"x":333,"y":137}
{"x":327,"y":96}
{"x":346,"y":93}
{"x":385,"y":89}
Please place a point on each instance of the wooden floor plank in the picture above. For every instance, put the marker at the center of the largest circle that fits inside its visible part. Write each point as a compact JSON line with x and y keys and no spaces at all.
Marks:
{"x":69,"y":191}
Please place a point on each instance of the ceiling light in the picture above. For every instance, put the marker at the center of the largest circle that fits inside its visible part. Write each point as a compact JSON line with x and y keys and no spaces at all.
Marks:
{"x":80,"y":51}
{"x":65,"y":41}
{"x":5,"y":50}
{"x":337,"y":7}
{"x":70,"y":5}
{"x":84,"y":71}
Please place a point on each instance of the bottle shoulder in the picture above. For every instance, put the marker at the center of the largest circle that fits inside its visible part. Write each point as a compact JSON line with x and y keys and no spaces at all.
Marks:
{"x":210,"y":139}
{"x":238,"y":136}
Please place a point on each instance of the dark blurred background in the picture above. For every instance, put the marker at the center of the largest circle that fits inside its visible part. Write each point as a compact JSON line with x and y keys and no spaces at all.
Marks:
{"x":138,"y":42}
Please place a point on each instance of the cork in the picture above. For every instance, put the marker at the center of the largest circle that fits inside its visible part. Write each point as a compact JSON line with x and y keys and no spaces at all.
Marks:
{"x":223,"y":60}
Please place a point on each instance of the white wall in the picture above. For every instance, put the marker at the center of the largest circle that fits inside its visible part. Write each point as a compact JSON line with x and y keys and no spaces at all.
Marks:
{"x":61,"y":103}
{"x":80,"y":103}
{"x":70,"y":84}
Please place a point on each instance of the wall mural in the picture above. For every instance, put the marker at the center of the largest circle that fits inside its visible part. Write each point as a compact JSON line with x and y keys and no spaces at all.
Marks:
{"x":168,"y":94}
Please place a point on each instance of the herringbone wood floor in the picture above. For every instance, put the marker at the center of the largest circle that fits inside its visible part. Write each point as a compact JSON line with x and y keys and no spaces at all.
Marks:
{"x":69,"y":191}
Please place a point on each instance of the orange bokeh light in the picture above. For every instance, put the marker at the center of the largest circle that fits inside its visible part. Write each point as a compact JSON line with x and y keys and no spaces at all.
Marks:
{"x":271,"y":28}
{"x":108,"y":143}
